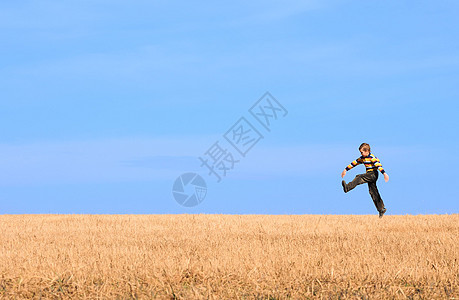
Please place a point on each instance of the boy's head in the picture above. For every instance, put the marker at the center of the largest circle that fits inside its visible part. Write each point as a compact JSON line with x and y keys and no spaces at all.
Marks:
{"x":364,"y":149}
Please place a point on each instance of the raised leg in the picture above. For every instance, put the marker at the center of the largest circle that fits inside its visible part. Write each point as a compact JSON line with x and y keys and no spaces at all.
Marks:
{"x":359,"y":179}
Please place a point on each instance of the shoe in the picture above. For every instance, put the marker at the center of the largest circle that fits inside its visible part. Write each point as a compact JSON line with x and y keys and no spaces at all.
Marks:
{"x":343,"y":183}
{"x":381,"y":213}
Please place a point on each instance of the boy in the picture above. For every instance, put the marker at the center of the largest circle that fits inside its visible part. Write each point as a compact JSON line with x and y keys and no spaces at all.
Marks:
{"x":372,"y":165}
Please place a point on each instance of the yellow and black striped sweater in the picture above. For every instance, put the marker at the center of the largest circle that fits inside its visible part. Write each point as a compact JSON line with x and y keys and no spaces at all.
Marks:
{"x":371,"y":163}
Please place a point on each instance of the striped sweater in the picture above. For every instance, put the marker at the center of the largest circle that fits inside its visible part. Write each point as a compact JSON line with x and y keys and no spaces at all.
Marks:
{"x":371,"y":163}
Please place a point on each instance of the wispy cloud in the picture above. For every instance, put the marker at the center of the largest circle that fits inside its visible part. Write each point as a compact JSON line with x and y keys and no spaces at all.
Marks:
{"x":128,"y":159}
{"x":262,"y":12}
{"x":143,"y":159}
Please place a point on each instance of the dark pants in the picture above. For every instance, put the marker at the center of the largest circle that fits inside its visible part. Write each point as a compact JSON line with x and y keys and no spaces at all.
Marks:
{"x":369,"y":177}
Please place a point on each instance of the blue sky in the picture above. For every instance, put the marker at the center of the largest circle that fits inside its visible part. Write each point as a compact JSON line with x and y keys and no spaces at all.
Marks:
{"x":103,"y":104}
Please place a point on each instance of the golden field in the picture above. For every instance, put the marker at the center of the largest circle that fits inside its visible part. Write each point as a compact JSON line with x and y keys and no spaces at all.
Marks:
{"x":229,"y":256}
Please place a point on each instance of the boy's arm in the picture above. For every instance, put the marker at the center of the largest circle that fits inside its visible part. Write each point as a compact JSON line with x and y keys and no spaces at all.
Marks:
{"x":351,"y":165}
{"x":377,"y":164}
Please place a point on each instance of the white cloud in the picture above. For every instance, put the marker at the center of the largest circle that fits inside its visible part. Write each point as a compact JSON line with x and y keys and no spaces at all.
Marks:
{"x":129,"y":159}
{"x":143,"y":159}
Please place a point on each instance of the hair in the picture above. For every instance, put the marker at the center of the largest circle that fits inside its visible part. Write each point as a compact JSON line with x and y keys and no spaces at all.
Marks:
{"x":364,"y":147}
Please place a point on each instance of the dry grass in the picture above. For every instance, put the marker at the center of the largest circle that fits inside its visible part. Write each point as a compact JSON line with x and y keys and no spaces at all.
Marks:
{"x":229,"y":256}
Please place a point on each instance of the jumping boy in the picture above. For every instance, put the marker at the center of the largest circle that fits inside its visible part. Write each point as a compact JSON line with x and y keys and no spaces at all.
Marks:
{"x":372,"y":165}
